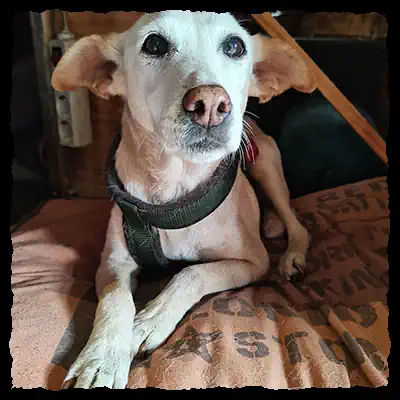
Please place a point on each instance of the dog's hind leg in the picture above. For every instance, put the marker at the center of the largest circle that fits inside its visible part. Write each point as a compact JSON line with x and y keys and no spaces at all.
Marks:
{"x":267,"y":170}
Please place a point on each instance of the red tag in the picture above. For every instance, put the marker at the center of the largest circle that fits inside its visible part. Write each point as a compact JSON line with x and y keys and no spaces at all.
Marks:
{"x":251,"y":151}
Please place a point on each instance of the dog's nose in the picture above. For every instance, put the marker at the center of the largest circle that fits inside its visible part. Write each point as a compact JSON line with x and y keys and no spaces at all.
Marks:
{"x":208,"y":104}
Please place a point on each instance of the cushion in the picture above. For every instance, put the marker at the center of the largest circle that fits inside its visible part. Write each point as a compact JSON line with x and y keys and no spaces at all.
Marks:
{"x":327,"y":329}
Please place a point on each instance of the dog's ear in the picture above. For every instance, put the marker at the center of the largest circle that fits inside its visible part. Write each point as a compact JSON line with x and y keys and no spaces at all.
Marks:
{"x":277,"y":67}
{"x":92,"y":62}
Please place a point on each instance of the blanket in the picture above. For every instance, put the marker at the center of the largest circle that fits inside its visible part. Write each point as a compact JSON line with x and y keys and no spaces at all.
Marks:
{"x":328,"y":328}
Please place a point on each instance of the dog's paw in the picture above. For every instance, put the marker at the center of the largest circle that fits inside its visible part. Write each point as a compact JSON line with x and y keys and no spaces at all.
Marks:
{"x":292,"y":263}
{"x":100,"y":365}
{"x":153,"y":325}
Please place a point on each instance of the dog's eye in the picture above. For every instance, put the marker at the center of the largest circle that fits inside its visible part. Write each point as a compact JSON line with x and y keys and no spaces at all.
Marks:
{"x":234,"y":47}
{"x":155,"y":45}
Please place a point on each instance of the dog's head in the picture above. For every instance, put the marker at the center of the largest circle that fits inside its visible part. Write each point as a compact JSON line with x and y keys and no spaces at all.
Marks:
{"x":186,"y":77}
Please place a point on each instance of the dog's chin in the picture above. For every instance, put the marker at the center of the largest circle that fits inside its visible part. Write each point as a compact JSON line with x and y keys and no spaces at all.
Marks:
{"x":207,"y":151}
{"x":204,"y":157}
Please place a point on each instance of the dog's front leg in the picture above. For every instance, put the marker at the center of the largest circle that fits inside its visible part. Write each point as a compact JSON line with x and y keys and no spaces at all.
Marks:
{"x":106,"y":358}
{"x":154,"y":324}
{"x":268,"y":171}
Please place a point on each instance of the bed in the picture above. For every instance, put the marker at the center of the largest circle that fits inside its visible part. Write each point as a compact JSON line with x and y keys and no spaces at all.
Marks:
{"x":327,"y":329}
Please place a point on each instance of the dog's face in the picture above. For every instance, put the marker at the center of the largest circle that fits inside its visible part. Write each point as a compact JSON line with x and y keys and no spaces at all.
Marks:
{"x":186,"y":77}
{"x":175,"y":55}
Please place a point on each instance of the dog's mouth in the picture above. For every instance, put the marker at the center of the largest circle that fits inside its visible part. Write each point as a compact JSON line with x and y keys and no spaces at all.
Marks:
{"x":196,"y":142}
{"x":203,"y":143}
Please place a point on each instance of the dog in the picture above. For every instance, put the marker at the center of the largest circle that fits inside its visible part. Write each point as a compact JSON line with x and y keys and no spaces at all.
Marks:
{"x":185,"y":78}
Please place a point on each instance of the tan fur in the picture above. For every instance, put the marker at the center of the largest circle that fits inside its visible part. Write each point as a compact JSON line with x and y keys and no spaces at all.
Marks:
{"x":153,"y":167}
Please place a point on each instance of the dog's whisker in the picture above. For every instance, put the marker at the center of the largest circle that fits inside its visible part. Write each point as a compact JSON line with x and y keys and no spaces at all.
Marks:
{"x":247,"y":124}
{"x":141,"y":143}
{"x":247,"y":131}
{"x":245,"y":144}
{"x":250,"y":113}
{"x":230,"y":159}
{"x":162,"y":149}
{"x":243,"y":158}
{"x":241,"y":153}
{"x":244,"y":140}
{"x":245,"y":137}
{"x":251,"y":147}
{"x":248,"y":128}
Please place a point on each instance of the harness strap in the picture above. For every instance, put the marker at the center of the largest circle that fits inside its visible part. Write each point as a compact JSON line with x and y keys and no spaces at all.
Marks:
{"x":142,"y":220}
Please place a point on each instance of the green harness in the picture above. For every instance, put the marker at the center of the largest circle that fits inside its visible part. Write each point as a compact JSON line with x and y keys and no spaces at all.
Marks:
{"x":142,"y":220}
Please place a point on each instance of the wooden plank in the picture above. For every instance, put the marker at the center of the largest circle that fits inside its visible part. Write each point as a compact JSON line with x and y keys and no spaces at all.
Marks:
{"x":328,"y":88}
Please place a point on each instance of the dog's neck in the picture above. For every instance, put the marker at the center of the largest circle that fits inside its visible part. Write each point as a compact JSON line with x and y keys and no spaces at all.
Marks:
{"x":148,"y":172}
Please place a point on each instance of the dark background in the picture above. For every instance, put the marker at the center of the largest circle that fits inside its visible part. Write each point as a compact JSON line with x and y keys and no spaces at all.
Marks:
{"x":30,"y":177}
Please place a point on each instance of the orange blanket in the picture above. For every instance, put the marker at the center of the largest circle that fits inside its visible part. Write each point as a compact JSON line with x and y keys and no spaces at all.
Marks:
{"x":327,"y":330}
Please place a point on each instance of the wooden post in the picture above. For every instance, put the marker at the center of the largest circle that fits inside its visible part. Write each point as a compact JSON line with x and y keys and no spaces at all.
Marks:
{"x":328,"y":88}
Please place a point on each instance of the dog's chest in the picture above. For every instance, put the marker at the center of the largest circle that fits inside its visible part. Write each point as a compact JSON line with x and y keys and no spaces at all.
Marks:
{"x":182,"y":244}
{"x":210,"y":239}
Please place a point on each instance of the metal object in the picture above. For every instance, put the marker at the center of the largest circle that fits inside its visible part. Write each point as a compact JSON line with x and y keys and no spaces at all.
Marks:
{"x":73,"y":108}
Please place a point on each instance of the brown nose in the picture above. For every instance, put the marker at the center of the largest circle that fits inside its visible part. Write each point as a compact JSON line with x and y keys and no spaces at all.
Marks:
{"x":208,"y":105}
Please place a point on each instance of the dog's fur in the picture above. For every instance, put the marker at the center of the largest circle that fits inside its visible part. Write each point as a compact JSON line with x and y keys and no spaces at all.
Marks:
{"x":155,"y":164}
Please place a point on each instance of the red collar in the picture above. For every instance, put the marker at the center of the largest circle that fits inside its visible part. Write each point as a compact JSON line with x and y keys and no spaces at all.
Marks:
{"x":251,"y":151}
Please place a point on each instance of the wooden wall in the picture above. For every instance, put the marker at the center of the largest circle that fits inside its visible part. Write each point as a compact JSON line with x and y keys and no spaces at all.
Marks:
{"x":86,"y":165}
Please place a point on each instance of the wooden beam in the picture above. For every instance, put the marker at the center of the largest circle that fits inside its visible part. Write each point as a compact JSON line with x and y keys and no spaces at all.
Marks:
{"x":328,"y":88}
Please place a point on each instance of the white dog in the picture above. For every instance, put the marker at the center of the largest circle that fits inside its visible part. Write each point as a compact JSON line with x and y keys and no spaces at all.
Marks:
{"x":185,"y":78}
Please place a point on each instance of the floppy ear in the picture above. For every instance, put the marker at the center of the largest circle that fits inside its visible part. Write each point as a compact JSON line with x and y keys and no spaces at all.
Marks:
{"x":277,"y":67}
{"x":92,"y":62}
